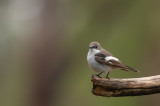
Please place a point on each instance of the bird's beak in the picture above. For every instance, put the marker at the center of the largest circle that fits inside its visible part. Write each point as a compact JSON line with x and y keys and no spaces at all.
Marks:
{"x":90,"y":47}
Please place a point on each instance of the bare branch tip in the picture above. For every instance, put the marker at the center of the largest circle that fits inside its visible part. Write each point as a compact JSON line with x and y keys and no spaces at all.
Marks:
{"x":125,"y":87}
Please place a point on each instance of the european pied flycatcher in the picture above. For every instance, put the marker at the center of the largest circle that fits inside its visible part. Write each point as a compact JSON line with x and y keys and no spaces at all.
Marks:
{"x":100,"y":60}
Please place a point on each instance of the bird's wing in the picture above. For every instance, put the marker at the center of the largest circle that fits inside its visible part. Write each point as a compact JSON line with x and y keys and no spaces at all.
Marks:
{"x":111,"y":61}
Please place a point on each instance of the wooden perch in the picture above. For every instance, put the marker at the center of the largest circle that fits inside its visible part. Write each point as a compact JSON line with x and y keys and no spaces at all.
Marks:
{"x":125,"y":87}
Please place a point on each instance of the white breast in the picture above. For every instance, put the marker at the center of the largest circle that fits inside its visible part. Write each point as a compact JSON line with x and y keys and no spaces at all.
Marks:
{"x":94,"y":64}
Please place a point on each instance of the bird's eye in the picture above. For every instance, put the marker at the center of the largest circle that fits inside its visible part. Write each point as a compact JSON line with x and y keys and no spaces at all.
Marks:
{"x":96,"y":47}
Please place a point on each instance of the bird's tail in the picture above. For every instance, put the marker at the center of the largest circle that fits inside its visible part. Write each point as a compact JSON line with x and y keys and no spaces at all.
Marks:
{"x":130,"y":68}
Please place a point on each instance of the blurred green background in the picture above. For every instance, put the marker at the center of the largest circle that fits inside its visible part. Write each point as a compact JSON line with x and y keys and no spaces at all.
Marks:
{"x":44,"y":44}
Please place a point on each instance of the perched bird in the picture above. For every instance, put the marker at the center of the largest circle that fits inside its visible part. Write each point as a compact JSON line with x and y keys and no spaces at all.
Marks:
{"x":102,"y":61}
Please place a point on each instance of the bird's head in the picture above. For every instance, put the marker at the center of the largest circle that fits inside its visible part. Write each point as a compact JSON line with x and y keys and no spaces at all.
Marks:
{"x":95,"y":46}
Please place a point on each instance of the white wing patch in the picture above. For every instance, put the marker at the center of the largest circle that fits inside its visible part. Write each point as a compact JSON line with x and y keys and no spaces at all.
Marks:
{"x":111,"y":58}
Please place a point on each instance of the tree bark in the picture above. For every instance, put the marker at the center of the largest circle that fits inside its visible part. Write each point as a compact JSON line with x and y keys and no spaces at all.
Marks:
{"x":125,"y":87}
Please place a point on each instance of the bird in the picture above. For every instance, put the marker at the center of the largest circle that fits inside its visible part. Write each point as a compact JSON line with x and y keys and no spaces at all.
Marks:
{"x":102,"y":61}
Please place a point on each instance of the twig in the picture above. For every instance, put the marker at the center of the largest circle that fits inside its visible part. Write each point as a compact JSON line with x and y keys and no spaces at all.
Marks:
{"x":125,"y":87}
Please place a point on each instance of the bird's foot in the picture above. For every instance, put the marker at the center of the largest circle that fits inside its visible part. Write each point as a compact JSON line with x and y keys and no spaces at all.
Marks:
{"x":107,"y":77}
{"x":99,"y":76}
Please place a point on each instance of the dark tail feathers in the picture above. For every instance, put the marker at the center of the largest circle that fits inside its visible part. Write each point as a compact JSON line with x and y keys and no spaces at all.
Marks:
{"x":132,"y":69}
{"x":127,"y":68}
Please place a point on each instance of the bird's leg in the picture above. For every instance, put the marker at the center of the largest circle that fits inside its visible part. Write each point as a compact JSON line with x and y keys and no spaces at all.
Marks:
{"x":99,"y":74}
{"x":107,"y":76}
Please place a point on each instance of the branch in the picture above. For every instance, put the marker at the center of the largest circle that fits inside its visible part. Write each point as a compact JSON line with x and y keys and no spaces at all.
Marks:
{"x":125,"y":87}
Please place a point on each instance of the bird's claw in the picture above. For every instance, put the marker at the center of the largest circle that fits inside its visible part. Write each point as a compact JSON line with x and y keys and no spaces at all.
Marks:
{"x":107,"y":77}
